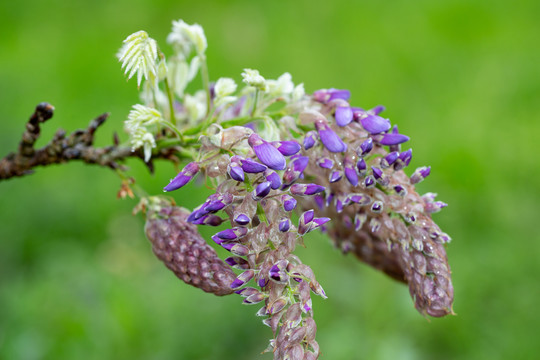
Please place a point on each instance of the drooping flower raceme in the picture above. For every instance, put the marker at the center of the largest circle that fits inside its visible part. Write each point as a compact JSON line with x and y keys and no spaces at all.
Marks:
{"x":314,"y":163}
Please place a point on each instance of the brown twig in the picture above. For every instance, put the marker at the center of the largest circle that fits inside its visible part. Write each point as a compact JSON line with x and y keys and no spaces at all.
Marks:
{"x":76,"y":146}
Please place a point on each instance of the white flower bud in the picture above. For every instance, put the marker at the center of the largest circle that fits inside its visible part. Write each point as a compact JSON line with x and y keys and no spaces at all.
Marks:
{"x":253,"y":78}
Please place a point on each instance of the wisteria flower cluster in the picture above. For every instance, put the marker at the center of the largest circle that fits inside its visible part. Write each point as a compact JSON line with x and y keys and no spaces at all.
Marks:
{"x":282,"y":164}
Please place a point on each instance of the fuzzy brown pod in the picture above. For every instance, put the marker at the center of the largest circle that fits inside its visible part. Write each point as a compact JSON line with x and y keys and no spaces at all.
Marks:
{"x":181,"y":248}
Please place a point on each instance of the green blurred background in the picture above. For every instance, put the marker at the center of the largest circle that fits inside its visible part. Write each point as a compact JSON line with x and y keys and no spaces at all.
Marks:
{"x":461,"y":77}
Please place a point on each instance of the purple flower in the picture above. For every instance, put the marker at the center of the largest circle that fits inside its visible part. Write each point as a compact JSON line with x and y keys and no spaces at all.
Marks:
{"x":289,"y":203}
{"x":360,"y":199}
{"x":335,"y":176}
{"x":306,"y":189}
{"x":365,"y":147}
{"x":389,"y":159}
{"x":278,"y":272}
{"x":274,"y":178}
{"x":369,"y":181}
{"x":329,"y":138}
{"x":295,"y":169}
{"x":377,"y":110}
{"x":242,"y":219}
{"x":343,"y":115}
{"x":287,"y":148}
{"x":232,"y":234}
{"x":325,"y":95}
{"x":235,"y":172}
{"x":284,"y":225}
{"x":375,"y":124}
{"x":325,"y":163}
{"x":212,"y":220}
{"x":359,"y":220}
{"x":235,"y":248}
{"x":420,"y":174}
{"x":237,"y":262}
{"x":266,"y":152}
{"x":261,"y":190}
{"x":242,"y":279}
{"x":252,"y":167}
{"x":403,"y":160}
{"x":400,"y":190}
{"x":351,"y":175}
{"x":310,"y":140}
{"x":183,"y":177}
{"x":393,"y":139}
{"x":377,"y":207}
{"x":361,"y":166}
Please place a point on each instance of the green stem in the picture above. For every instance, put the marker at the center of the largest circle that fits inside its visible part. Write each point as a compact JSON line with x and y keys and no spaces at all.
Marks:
{"x":205,"y":80}
{"x":171,"y":100}
{"x":174,"y":129}
{"x":255,"y":101}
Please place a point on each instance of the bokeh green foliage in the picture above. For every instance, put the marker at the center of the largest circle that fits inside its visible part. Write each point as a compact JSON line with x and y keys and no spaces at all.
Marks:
{"x":462,"y":78}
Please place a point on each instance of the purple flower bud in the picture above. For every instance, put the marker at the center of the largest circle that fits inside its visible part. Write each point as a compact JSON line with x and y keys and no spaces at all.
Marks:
{"x":319,"y":200}
{"x":310,"y":140}
{"x":252,"y":167}
{"x":339,"y":94}
{"x":276,"y":306}
{"x":436,"y":206}
{"x":325,"y":163}
{"x":242,"y":219}
{"x":379,"y":176}
{"x":335,"y":176}
{"x":420,"y":174}
{"x":217,"y":239}
{"x":389,"y":159}
{"x":267,"y":154}
{"x":274,"y":178}
{"x":395,"y":130}
{"x":237,"y":262}
{"x":284,"y":225}
{"x":329,"y":199}
{"x":300,"y":163}
{"x":375,"y":225}
{"x":377,"y":207}
{"x":261,"y":190}
{"x":369,"y":181}
{"x":232,"y":234}
{"x":375,"y":124}
{"x":235,"y":172}
{"x":212,"y":220}
{"x":360,"y":199}
{"x":377,"y":173}
{"x":393,"y":139}
{"x":377,"y":110}
{"x":400,"y":190}
{"x":289,"y":203}
{"x":306,"y":189}
{"x":343,"y":115}
{"x":329,"y":138}
{"x":351,"y":175}
{"x":262,"y":282}
{"x":242,"y":279}
{"x":247,"y":291}
{"x":183,"y":177}
{"x":254,"y":298}
{"x":278,"y":272}
{"x":304,"y":223}
{"x":198,"y":212}
{"x":287,"y":148}
{"x":325,"y":95}
{"x":339,"y":204}
{"x":365,"y":147}
{"x":235,"y":248}
{"x":359,"y":220}
{"x":361,"y":166}
{"x":318,"y":222}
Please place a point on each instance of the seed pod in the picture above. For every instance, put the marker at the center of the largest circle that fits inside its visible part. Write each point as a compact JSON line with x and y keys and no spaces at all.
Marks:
{"x":181,"y":248}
